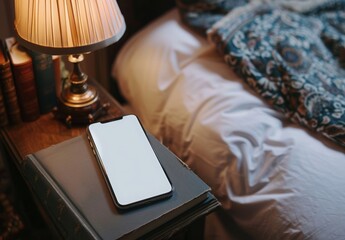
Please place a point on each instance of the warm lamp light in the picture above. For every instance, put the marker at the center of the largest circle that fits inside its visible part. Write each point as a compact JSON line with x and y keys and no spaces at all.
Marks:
{"x":70,"y":27}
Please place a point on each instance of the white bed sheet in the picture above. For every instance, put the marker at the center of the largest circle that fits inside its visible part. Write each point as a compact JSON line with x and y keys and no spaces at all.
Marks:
{"x":273,"y":178}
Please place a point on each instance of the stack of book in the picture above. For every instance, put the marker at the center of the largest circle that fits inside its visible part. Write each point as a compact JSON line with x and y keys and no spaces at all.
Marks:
{"x":78,"y":204}
{"x":9,"y":108}
{"x":28,"y":83}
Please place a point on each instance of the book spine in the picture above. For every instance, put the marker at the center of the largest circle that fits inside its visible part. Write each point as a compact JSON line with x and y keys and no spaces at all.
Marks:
{"x":9,"y":93}
{"x":3,"y":64}
{"x":63,"y":214}
{"x":3,"y":113}
{"x":57,"y":73}
{"x":26,"y":91}
{"x":45,"y":80}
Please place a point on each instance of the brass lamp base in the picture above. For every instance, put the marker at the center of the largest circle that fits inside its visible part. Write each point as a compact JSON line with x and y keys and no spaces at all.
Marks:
{"x":79,"y":103}
{"x":76,"y":112}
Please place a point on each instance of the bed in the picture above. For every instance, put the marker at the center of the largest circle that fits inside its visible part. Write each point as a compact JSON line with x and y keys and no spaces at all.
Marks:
{"x":276,"y":177}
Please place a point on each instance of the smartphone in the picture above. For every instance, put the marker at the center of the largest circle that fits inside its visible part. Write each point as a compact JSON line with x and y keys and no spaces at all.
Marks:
{"x":129,"y":165}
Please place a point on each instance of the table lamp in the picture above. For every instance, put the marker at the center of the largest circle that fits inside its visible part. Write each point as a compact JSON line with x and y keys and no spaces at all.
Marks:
{"x":70,"y":27}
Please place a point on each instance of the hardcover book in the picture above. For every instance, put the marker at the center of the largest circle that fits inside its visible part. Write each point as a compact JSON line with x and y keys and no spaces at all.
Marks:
{"x":24,"y":79}
{"x":8,"y":87}
{"x":72,"y":190}
{"x":45,"y":80}
{"x":3,"y":112}
{"x":57,"y":75}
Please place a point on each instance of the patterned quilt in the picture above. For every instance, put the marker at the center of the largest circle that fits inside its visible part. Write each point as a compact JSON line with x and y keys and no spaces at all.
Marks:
{"x":290,"y":52}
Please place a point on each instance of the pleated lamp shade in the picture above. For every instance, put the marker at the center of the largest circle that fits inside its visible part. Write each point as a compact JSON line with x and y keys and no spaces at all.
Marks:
{"x":68,"y":26}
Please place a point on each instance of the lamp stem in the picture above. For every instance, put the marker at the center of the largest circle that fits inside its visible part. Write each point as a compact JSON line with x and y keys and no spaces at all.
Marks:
{"x":78,"y":78}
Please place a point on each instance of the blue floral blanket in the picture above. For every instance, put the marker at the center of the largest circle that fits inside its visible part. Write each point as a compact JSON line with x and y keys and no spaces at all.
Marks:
{"x":292,"y":53}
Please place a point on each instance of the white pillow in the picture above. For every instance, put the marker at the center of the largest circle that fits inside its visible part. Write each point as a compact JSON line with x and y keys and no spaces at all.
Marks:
{"x":150,"y":62}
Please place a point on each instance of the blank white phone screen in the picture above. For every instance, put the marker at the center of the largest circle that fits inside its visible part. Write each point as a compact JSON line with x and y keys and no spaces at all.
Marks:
{"x":128,"y":160}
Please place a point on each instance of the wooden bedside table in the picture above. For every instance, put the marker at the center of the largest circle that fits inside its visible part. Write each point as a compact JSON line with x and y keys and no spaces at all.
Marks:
{"x":29,"y":137}
{"x":26,"y":138}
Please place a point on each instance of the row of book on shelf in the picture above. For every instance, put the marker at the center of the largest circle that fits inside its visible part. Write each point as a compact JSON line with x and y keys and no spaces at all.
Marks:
{"x":29,"y":83}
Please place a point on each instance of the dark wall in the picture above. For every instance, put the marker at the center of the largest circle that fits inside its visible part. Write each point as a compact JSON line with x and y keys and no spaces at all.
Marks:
{"x":138,"y":13}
